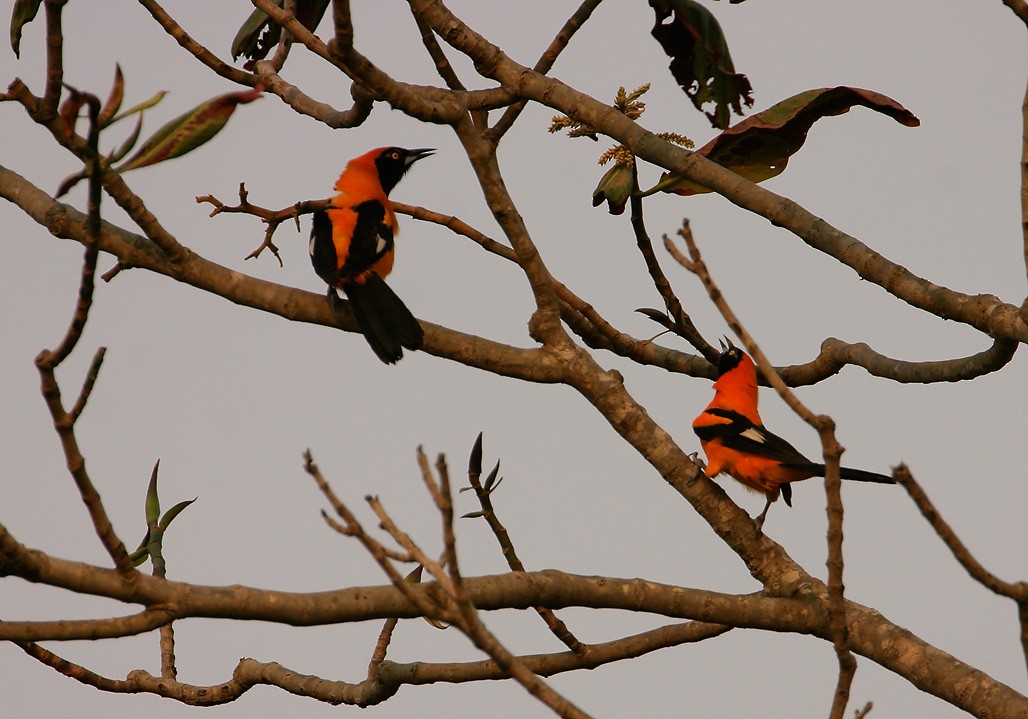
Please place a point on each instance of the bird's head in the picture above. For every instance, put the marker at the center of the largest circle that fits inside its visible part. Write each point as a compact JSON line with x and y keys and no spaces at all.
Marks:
{"x":731,"y":357}
{"x":393,"y":162}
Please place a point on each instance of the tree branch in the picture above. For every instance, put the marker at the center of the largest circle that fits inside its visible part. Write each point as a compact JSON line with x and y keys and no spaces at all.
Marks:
{"x":983,"y":312}
{"x":133,"y":250}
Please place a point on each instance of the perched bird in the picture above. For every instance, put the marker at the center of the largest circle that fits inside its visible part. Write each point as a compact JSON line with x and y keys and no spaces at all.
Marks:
{"x":352,"y":245}
{"x":737,"y":443}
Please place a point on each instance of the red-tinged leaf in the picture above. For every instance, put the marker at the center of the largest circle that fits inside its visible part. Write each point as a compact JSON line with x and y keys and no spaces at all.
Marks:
{"x":113,"y":104}
{"x":759,"y":147}
{"x":69,"y":109}
{"x":258,"y":34}
{"x":68,"y":183}
{"x":24,"y":13}
{"x":700,"y":60}
{"x":190,"y":130}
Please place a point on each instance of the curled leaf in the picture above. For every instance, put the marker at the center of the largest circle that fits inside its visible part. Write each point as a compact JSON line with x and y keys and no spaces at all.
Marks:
{"x":700,"y":60}
{"x":69,"y":109}
{"x":615,"y":187}
{"x":24,"y":13}
{"x":759,"y":147}
{"x":258,"y":34}
{"x":190,"y":130}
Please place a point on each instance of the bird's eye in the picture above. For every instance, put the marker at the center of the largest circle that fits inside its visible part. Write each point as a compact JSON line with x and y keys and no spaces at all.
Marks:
{"x":395,"y":155}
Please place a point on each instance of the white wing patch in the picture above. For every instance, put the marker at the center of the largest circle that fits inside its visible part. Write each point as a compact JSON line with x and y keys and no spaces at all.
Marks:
{"x":755,"y":434}
{"x":381,"y":244}
{"x":310,"y":247}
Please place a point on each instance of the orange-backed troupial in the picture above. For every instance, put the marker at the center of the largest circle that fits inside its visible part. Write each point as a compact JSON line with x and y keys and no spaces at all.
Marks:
{"x":352,"y":245}
{"x":737,"y":443}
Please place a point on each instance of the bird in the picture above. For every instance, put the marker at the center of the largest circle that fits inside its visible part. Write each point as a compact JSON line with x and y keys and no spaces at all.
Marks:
{"x":735,"y":441}
{"x":352,"y":248}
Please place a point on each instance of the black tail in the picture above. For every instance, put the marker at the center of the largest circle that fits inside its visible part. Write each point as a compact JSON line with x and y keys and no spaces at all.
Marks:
{"x":857,"y":475}
{"x":386,"y":322}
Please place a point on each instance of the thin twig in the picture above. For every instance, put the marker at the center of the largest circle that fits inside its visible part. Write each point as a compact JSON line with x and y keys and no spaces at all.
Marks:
{"x":484,"y":496}
{"x":201,"y":53}
{"x":543,"y":65}
{"x":682,"y":323}
{"x":1018,"y":591}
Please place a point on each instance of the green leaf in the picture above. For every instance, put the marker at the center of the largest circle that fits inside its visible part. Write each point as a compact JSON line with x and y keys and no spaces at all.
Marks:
{"x":189,"y":131}
{"x":142,"y":552}
{"x":759,"y":147}
{"x":153,"y":502}
{"x":130,"y":142}
{"x":170,"y":515}
{"x":490,"y":481}
{"x":700,"y":60}
{"x":145,"y":105}
{"x":24,"y":13}
{"x":248,"y":42}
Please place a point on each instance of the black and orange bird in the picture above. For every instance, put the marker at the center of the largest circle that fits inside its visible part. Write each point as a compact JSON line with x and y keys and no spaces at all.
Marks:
{"x":352,"y":248}
{"x":737,"y":443}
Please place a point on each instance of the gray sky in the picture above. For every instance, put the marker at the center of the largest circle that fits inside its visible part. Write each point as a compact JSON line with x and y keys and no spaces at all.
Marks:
{"x":229,"y":398}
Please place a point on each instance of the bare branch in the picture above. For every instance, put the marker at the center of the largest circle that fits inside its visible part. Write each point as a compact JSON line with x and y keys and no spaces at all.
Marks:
{"x":87,"y":385}
{"x":424,"y":103}
{"x":47,"y":109}
{"x":1015,"y":590}
{"x":484,"y":496}
{"x":1019,"y":8}
{"x":543,"y":65}
{"x":194,"y":48}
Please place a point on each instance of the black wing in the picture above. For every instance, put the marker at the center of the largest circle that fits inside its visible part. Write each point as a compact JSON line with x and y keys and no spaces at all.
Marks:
{"x":372,"y":239}
{"x":322,"y":249}
{"x":742,"y":435}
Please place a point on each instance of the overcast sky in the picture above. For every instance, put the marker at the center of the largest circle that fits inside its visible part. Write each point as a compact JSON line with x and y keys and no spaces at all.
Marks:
{"x":229,"y":398}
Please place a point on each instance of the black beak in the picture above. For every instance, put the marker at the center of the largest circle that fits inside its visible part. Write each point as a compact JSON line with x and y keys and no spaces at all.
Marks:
{"x":413,"y":156}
